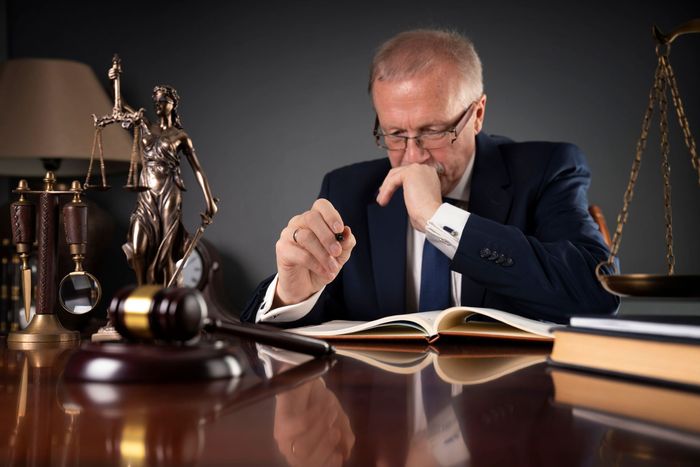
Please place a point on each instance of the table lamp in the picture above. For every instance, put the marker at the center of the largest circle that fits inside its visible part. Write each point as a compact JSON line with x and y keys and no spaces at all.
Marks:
{"x":46,"y":123}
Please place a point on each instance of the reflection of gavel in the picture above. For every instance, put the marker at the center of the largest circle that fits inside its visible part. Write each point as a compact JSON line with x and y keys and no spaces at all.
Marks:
{"x":152,"y":313}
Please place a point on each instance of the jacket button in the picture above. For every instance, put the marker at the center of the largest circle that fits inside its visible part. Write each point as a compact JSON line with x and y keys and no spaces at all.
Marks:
{"x":494,"y":255}
{"x":508,"y":262}
{"x":501,"y":259}
{"x":484,"y":252}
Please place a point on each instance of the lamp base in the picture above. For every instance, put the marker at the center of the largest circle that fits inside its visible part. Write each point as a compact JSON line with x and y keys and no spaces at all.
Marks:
{"x":43,"y":329}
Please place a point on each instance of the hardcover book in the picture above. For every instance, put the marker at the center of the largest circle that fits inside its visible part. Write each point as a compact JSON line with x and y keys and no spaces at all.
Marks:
{"x":661,"y":348}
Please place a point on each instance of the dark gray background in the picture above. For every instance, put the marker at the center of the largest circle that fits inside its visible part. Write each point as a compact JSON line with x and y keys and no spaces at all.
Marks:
{"x":274,"y":95}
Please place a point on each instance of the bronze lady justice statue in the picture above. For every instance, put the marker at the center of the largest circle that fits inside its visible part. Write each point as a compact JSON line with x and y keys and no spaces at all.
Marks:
{"x":157,"y":238}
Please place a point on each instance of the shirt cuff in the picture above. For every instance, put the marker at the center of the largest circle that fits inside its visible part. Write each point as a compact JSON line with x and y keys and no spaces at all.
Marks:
{"x":287,"y":313}
{"x":444,"y":229}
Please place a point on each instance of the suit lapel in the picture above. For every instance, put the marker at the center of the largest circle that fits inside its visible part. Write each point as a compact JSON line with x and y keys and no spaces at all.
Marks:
{"x":490,"y":197}
{"x":387,"y":233}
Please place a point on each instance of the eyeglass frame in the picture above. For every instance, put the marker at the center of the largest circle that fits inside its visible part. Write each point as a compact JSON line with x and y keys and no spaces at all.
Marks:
{"x":455,"y":130}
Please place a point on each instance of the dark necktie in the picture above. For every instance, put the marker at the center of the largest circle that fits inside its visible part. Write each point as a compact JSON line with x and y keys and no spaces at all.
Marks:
{"x":434,"y":279}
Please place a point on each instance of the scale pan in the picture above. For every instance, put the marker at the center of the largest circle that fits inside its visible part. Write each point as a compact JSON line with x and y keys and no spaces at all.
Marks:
{"x":652,"y":285}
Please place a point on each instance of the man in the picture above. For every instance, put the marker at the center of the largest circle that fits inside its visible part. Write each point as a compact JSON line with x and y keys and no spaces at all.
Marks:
{"x":516,"y":235}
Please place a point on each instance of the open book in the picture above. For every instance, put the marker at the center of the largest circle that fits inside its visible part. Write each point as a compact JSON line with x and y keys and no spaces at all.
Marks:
{"x":429,"y":325}
{"x":474,"y":367}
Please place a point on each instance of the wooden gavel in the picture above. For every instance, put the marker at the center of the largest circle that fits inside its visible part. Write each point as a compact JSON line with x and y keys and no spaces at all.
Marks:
{"x":178,"y":315}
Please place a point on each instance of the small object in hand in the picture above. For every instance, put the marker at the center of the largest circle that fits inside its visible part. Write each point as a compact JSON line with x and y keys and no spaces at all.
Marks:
{"x":339,"y":237}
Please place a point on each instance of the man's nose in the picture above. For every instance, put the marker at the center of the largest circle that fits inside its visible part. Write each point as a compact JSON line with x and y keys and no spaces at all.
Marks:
{"x":414,"y":153}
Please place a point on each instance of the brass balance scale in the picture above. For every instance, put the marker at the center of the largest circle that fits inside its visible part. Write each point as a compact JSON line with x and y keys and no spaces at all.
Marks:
{"x":671,"y":284}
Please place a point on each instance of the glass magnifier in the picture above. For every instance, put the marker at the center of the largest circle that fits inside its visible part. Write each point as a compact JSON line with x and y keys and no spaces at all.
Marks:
{"x":79,"y":291}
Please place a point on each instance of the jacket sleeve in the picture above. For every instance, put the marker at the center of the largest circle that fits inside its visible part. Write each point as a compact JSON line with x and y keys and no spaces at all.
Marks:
{"x":251,"y":308}
{"x":547,"y":272}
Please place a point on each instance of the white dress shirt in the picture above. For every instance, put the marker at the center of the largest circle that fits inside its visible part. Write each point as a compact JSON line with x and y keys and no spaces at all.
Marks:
{"x":443,"y":230}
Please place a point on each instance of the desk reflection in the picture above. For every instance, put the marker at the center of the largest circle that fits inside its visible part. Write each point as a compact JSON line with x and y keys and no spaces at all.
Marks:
{"x":475,"y":407}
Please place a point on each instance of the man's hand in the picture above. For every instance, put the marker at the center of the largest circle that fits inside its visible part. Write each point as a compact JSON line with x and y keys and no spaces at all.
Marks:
{"x":308,"y":254}
{"x":421,"y":191}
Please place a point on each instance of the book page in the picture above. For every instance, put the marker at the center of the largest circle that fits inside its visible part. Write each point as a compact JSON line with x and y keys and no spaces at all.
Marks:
{"x":492,"y":330}
{"x":422,"y":323}
{"x":455,"y":320}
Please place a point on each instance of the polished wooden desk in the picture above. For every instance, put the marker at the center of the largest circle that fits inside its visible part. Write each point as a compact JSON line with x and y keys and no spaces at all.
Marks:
{"x":325,"y":413}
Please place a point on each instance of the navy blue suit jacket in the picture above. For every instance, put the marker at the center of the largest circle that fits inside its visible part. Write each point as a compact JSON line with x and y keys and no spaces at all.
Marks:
{"x":528,"y":201}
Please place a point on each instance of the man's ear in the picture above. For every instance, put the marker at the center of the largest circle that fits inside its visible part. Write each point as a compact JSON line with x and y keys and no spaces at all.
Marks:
{"x":480,"y":112}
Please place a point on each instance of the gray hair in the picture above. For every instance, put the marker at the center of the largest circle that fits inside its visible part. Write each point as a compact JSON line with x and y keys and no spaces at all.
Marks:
{"x":411,"y":53}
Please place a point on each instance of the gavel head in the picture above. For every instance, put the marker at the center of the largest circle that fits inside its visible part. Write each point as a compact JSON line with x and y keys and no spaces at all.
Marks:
{"x":150,"y":312}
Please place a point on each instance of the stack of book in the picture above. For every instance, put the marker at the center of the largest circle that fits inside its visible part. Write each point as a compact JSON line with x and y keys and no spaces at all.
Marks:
{"x":656,"y":348}
{"x":641,"y":384}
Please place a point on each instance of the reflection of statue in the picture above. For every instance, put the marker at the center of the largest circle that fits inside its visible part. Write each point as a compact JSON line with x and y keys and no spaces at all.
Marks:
{"x":157,"y":238}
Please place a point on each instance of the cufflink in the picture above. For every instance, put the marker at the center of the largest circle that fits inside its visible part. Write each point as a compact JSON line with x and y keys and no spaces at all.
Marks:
{"x":450,"y":231}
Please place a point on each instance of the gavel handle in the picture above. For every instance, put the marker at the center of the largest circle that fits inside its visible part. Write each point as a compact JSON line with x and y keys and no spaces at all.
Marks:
{"x":273,"y":336}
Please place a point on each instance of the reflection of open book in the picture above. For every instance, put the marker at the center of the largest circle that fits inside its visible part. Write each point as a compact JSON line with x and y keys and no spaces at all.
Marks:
{"x":457,"y":368}
{"x":634,"y":402}
{"x":429,"y":325}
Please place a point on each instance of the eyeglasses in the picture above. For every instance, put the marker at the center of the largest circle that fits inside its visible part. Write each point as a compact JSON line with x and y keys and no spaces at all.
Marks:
{"x":427,"y":140}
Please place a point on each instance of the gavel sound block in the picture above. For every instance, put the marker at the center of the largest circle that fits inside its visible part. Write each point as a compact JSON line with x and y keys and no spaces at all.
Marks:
{"x":161,"y":328}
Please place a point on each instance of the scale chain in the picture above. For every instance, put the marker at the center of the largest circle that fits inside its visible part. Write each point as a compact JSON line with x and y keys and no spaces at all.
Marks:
{"x":666,"y":165}
{"x":682,"y":119}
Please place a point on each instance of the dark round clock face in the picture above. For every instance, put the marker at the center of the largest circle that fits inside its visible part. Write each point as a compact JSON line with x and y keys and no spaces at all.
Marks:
{"x":193,"y":271}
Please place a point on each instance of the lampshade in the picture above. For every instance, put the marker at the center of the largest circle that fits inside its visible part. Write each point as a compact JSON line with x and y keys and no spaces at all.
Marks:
{"x":45,"y":112}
